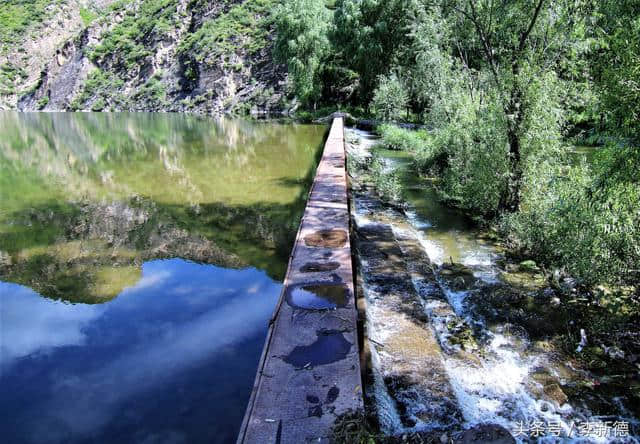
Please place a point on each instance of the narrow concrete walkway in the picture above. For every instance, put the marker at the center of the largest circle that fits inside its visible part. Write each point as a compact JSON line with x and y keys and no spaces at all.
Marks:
{"x":309,"y":372}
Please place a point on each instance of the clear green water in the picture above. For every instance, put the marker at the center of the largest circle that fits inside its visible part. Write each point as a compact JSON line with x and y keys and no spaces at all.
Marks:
{"x":141,"y":256}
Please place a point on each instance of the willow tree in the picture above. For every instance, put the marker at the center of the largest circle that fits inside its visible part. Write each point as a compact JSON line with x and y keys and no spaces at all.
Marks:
{"x":302,"y":44}
{"x":516,"y":42}
{"x":617,"y":64}
{"x":374,"y":36}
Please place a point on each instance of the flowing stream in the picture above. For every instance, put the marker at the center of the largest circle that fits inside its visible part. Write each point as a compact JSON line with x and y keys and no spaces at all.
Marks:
{"x":480,"y":323}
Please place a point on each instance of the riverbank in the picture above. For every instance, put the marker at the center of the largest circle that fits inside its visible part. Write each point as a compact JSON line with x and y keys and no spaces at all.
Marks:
{"x":503,"y":330}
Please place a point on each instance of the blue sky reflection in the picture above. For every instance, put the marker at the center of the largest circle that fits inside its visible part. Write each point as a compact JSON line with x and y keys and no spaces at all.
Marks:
{"x":166,"y":361}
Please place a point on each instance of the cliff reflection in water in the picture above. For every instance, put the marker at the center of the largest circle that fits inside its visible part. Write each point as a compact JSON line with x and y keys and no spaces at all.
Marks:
{"x":170,"y":235}
{"x":87,"y":198}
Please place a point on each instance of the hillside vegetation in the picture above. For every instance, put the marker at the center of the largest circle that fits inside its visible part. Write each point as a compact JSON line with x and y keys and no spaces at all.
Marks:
{"x":144,"y":55}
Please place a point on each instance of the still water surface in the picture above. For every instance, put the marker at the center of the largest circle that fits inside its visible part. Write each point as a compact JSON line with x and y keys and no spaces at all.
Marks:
{"x":141,"y":256}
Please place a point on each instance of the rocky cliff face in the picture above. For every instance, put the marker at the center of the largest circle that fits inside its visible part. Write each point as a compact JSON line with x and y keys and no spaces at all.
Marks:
{"x":151,"y":55}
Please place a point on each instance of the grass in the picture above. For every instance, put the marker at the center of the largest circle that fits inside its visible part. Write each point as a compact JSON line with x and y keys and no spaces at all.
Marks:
{"x":88,"y":16}
{"x":244,"y":26}
{"x":17,"y":17}
{"x":126,"y":43}
{"x":395,"y":138}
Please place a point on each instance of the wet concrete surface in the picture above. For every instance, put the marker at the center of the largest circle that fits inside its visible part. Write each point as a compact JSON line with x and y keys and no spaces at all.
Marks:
{"x":318,"y":296}
{"x":309,"y":373}
{"x":330,"y":346}
{"x":410,"y":387}
{"x":314,"y":267}
{"x":326,"y":238}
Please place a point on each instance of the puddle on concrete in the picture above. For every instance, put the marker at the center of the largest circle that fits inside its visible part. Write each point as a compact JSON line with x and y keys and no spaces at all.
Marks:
{"x":332,"y":395}
{"x":331,"y":346}
{"x":318,"y":296}
{"x":334,"y":238}
{"x":314,"y":267}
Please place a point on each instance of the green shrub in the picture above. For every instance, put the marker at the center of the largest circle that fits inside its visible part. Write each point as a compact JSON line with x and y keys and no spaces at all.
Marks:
{"x":98,"y":105}
{"x":395,"y":138}
{"x":470,"y":154}
{"x":125,"y":44}
{"x":244,"y":26}
{"x":585,"y":219}
{"x":153,"y":92}
{"x":16,"y":17}
{"x":87,"y":15}
{"x":390,"y":99}
{"x":43,"y":102}
{"x":102,"y":85}
{"x":385,"y":179}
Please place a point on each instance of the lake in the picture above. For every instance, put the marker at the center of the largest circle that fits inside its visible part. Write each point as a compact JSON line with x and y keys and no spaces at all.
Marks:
{"x":141,"y":257}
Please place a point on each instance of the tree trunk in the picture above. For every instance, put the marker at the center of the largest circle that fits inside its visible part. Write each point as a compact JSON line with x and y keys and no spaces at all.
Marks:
{"x":510,"y":198}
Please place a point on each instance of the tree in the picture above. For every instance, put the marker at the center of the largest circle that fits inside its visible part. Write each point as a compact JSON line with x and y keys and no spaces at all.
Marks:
{"x":617,"y":66}
{"x":302,"y":44}
{"x":373,"y":36}
{"x":390,"y":99}
{"x":516,"y":42}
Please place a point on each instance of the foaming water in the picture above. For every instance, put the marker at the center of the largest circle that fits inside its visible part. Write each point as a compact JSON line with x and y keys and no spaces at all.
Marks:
{"x":495,"y":388}
{"x":496,"y":391}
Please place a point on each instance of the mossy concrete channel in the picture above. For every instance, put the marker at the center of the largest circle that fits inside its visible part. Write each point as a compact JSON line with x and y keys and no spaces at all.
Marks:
{"x":309,"y":372}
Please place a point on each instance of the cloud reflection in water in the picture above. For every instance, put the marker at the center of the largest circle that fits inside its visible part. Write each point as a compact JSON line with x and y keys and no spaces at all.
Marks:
{"x":166,"y":361}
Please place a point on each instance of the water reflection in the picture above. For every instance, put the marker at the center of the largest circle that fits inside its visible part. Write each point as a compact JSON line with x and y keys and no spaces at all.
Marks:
{"x":140,"y":258}
{"x":145,"y":361}
{"x":86,"y":198}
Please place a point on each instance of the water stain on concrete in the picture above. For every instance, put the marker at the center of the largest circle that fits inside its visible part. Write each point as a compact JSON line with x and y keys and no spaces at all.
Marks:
{"x":333,"y":238}
{"x":315,"y":411}
{"x":332,"y":395}
{"x":314,"y":267}
{"x":330,"y":346}
{"x":321,"y":296}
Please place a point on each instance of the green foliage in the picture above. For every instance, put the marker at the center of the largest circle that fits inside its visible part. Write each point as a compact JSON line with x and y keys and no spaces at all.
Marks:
{"x":43,"y":102}
{"x":98,"y":104}
{"x":302,"y":44}
{"x":618,"y":64}
{"x":390,"y":100}
{"x":16,"y":17}
{"x":10,"y":75}
{"x":153,"y":93}
{"x":471,"y":156}
{"x":126,"y":44}
{"x":245,"y":26}
{"x":386,"y":180}
{"x":374,"y":36}
{"x":101,"y":87}
{"x":429,"y":78}
{"x":395,"y":138}
{"x":87,"y":15}
{"x":585,"y":219}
